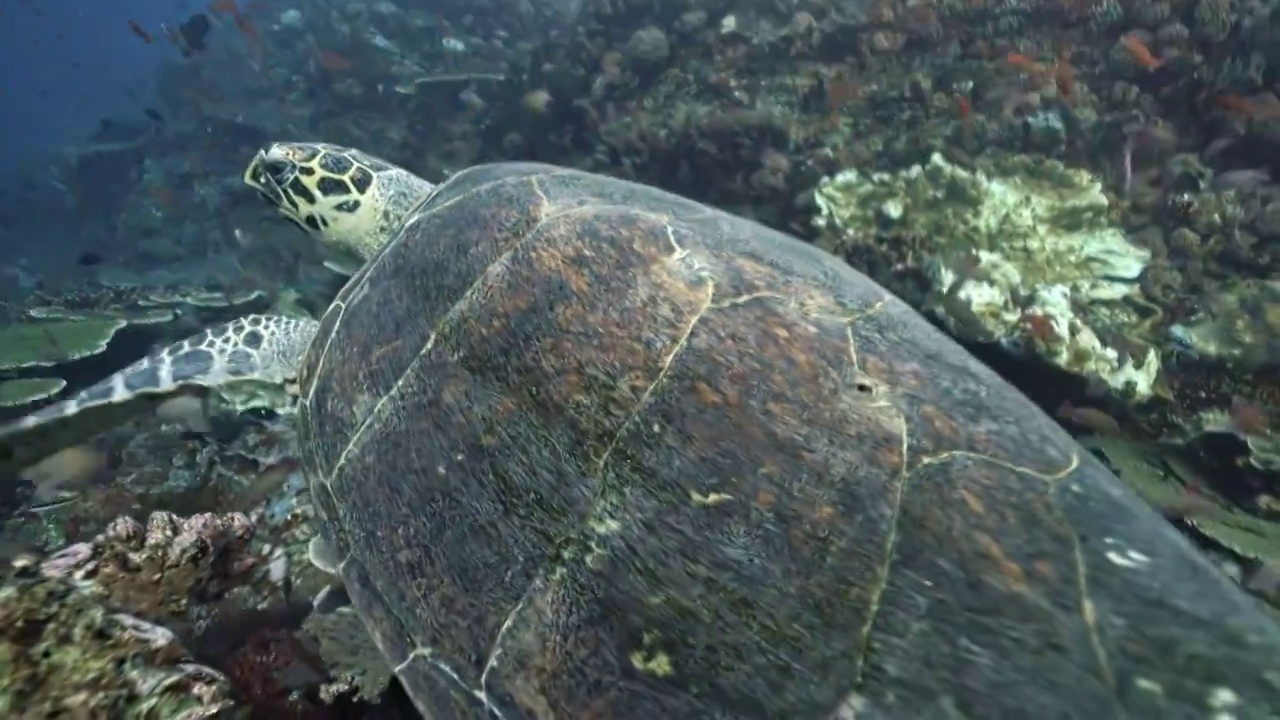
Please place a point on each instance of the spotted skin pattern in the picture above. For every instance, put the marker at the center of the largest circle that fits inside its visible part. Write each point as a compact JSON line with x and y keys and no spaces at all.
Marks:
{"x":345,"y":199}
{"x":254,"y":348}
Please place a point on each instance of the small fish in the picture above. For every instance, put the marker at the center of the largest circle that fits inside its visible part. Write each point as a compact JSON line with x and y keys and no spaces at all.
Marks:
{"x":1041,"y":327}
{"x":248,"y":29}
{"x":136,"y":29}
{"x":1140,"y":53}
{"x":59,"y":499}
{"x":1026,"y":65}
{"x":1155,"y":134}
{"x":1248,"y":418}
{"x":471,"y":99}
{"x":1246,"y":179}
{"x":537,"y":102}
{"x":1126,"y":166}
{"x":154,"y":115}
{"x":89,"y":259}
{"x":333,"y":61}
{"x":1064,"y":78}
{"x":1090,"y":418}
{"x":1263,"y":106}
{"x":226,"y":7}
{"x":964,"y":107}
{"x":1216,"y":147}
{"x":449,"y":42}
{"x":1233,"y":103}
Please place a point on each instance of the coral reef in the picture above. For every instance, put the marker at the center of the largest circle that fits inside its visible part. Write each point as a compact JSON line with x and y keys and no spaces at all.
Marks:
{"x":195,"y":610}
{"x":350,"y":651}
{"x":75,"y":336}
{"x":1020,"y":252}
{"x":89,"y":628}
{"x":65,"y":654}
{"x":1239,"y":325}
{"x":1083,"y":185}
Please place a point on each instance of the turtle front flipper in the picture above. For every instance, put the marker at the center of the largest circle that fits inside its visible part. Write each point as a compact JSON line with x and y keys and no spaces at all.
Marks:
{"x":257,"y":348}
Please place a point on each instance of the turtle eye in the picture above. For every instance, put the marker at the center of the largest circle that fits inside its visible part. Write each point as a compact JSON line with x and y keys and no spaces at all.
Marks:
{"x":279,"y":171}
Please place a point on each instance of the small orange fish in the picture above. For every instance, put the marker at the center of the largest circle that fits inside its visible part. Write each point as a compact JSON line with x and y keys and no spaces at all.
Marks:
{"x":1265,"y":109}
{"x":1234,"y":104}
{"x":136,"y":29}
{"x":227,"y":7}
{"x":1064,"y":77}
{"x":1140,"y":53}
{"x":964,"y":107}
{"x":1040,"y":327}
{"x":165,"y":197}
{"x":333,"y":61}
{"x":1024,"y":64}
{"x":248,"y":28}
{"x":841,"y":91}
{"x":250,"y":32}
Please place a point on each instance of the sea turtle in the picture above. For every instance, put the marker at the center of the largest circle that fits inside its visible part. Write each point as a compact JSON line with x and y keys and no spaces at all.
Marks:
{"x":582,"y":448}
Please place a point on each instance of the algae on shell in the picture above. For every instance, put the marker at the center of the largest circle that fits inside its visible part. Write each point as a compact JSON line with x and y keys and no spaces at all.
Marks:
{"x":1021,"y":253}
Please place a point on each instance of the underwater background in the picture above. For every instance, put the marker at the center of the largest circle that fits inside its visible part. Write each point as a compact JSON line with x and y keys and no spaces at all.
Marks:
{"x":68,"y":66}
{"x":1082,"y":192}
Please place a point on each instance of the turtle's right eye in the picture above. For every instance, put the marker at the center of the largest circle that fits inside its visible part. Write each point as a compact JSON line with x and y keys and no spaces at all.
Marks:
{"x":279,"y":171}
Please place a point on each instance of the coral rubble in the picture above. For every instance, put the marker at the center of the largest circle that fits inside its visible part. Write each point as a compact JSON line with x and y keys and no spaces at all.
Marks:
{"x":1020,"y":252}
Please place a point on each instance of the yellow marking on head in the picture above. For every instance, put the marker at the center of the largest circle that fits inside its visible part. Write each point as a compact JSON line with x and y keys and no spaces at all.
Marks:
{"x":351,"y":201}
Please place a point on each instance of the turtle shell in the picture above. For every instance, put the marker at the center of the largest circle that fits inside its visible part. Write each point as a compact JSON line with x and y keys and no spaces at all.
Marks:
{"x":591,"y":450}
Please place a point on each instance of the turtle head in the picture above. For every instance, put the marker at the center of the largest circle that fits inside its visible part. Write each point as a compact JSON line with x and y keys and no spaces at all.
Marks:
{"x":352,"y":202}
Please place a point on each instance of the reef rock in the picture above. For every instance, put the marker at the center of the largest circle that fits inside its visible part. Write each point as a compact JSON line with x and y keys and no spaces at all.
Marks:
{"x":1239,"y":326}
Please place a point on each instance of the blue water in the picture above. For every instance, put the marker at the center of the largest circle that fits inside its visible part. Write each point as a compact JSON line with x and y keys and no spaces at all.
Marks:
{"x":65,"y":64}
